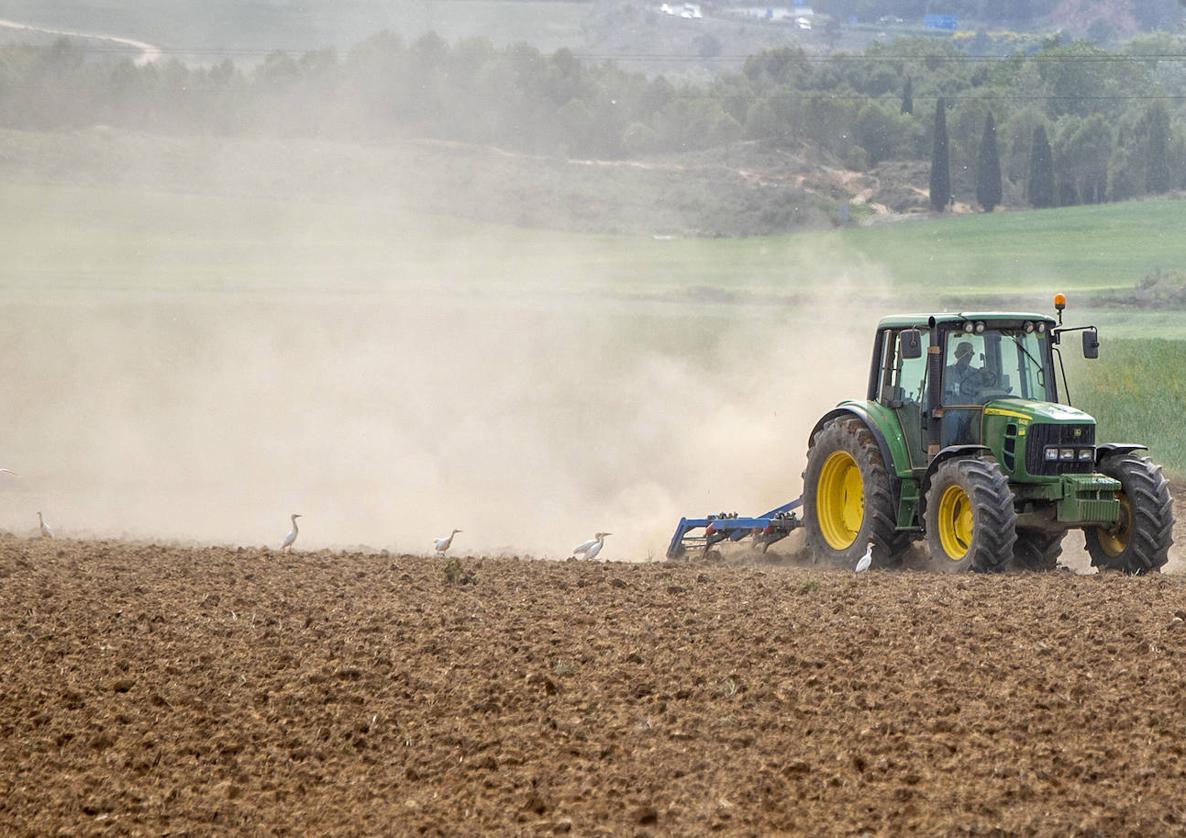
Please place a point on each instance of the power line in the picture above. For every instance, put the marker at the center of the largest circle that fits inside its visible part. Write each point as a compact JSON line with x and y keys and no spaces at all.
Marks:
{"x":857,"y":97}
{"x":769,"y":54}
{"x":877,"y":59}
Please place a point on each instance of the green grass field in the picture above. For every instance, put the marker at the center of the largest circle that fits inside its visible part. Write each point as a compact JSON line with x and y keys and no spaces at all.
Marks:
{"x":1101,"y":246}
{"x":1137,"y":392}
{"x":205,"y":241}
{"x":105,"y":241}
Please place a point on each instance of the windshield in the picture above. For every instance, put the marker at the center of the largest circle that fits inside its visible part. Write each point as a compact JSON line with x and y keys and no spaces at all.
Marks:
{"x":997,"y":364}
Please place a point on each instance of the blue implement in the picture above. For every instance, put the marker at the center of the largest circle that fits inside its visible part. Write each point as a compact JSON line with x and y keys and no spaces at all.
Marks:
{"x":766,"y":529}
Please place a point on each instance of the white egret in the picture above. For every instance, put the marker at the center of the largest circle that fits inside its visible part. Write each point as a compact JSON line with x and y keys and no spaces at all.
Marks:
{"x":46,"y":532}
{"x":866,"y":560}
{"x":592,"y":547}
{"x":291,"y":538}
{"x":442,"y":544}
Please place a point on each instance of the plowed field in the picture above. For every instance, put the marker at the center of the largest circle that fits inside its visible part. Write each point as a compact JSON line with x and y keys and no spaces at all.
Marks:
{"x":152,"y":689}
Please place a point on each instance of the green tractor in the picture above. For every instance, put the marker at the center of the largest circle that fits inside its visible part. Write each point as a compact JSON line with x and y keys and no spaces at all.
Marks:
{"x":966,"y":439}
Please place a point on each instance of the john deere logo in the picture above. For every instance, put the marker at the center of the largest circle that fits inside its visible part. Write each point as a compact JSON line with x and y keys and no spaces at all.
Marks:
{"x":1078,"y":432}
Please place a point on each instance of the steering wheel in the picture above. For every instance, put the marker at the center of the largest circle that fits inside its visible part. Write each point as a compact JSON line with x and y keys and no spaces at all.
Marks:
{"x":981,"y":379}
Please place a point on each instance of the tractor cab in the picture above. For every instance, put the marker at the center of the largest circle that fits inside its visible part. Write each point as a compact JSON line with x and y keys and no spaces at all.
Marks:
{"x":944,"y":374}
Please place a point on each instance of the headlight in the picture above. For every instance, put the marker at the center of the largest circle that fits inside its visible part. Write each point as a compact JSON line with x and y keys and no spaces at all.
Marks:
{"x":1041,"y":328}
{"x":1051,"y":455}
{"x":968,"y":327}
{"x":1066,"y":455}
{"x":980,"y":327}
{"x":1086,"y":455}
{"x":1029,"y":327}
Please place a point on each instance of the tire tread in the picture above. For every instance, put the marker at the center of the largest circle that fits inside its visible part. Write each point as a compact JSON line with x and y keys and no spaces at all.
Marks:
{"x":1153,"y":516}
{"x":996,"y":524}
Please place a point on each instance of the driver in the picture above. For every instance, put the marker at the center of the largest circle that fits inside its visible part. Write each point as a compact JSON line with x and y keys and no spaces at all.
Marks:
{"x":959,"y":372}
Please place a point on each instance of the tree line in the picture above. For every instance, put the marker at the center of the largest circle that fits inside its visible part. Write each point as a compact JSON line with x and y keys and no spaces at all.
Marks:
{"x":1145,"y":169}
{"x":1064,"y":124}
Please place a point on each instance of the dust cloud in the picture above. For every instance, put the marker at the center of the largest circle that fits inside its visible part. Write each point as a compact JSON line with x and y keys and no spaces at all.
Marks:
{"x":204,"y":337}
{"x":388,"y":417}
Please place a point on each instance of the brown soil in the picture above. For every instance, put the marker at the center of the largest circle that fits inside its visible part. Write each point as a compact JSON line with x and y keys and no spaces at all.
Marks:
{"x":153,"y":689}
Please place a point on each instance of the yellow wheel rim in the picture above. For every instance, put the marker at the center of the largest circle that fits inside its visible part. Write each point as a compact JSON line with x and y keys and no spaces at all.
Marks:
{"x":1115,"y":540}
{"x":955,"y":523}
{"x":840,"y":500}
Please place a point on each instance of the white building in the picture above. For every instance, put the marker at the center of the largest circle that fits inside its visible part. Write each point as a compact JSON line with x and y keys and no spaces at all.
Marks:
{"x":688,"y":11}
{"x":798,"y":14}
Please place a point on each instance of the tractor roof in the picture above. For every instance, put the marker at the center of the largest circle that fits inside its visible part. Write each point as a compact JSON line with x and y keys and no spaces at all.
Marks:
{"x":922,"y":321}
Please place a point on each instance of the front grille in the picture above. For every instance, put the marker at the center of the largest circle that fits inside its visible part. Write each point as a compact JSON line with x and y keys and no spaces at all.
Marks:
{"x":1098,"y":510}
{"x":1041,"y":437}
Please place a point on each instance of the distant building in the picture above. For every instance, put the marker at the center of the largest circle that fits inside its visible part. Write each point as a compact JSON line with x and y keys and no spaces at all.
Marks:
{"x":947,"y":22}
{"x":800,"y":14}
{"x":688,"y":11}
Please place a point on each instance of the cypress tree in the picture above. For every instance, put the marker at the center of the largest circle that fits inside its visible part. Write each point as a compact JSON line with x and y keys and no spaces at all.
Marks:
{"x":1157,"y":177}
{"x":988,"y":167}
{"x":940,"y":161}
{"x":908,"y":96}
{"x":1040,"y":186}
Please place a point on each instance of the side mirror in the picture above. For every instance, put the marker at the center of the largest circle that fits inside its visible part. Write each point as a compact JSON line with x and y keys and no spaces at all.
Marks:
{"x":911,"y":340}
{"x":1091,"y":343}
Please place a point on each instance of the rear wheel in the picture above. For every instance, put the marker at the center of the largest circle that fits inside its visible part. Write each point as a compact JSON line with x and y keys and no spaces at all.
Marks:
{"x":1037,"y":550}
{"x":1140,"y":542}
{"x":971,"y":523}
{"x":848,"y":497}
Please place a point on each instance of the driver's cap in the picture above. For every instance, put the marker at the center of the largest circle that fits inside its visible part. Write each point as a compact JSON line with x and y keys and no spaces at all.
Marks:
{"x":964,"y":350}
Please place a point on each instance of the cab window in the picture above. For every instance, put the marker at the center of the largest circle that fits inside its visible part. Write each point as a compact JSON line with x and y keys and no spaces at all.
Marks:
{"x":995,"y":364}
{"x":906,"y":379}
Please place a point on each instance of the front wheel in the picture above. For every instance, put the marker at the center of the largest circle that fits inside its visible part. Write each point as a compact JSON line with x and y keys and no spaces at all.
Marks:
{"x":971,"y":522}
{"x":1140,"y":541}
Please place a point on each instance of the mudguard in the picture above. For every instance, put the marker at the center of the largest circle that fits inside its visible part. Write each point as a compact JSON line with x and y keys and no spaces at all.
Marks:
{"x":951,"y":452}
{"x":1107,"y":449}
{"x":893,"y":451}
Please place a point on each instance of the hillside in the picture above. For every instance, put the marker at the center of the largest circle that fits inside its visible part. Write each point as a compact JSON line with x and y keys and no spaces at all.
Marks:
{"x":746,"y":188}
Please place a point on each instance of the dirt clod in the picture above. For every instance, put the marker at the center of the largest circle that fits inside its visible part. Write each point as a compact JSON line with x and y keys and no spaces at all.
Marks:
{"x":646,"y":815}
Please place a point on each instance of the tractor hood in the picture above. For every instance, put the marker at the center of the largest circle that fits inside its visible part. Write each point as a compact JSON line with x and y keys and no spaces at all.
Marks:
{"x":1049,"y":413}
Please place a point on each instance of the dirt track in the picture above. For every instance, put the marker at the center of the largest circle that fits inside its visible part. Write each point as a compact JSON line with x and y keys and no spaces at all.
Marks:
{"x":149,"y":54}
{"x":151,"y":689}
